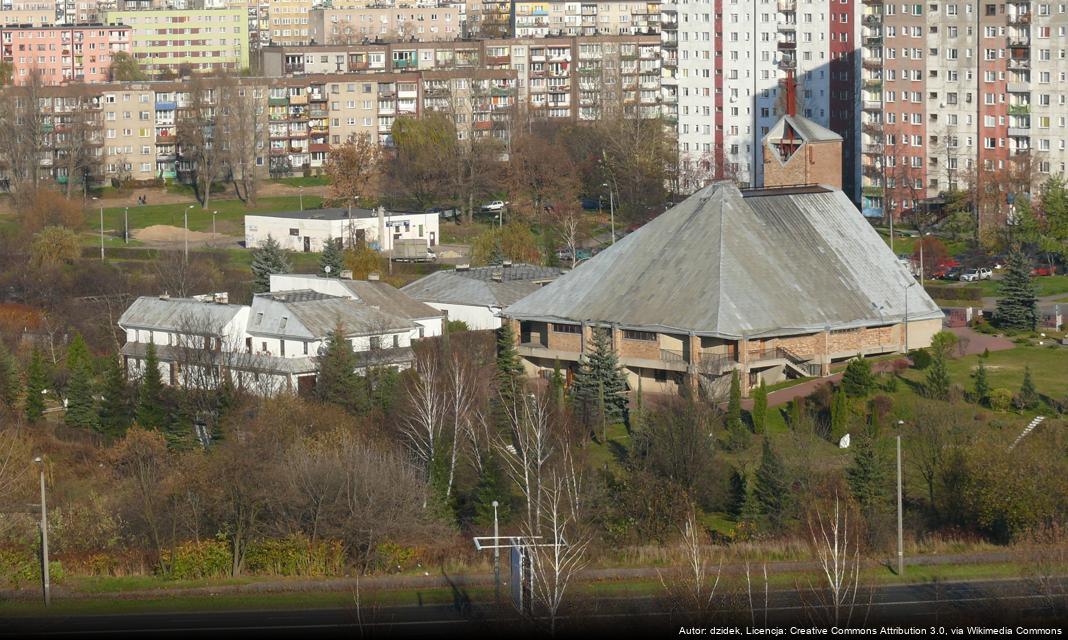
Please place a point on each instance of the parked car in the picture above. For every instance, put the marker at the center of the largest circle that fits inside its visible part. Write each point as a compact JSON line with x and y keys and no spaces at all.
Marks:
{"x":496,"y":205}
{"x":1044,"y":270}
{"x":948,"y":273}
{"x":975,"y":275}
{"x":445,"y":214}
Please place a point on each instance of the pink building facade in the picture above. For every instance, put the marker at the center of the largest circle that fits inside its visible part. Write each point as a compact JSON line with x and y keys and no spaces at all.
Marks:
{"x":62,"y":54}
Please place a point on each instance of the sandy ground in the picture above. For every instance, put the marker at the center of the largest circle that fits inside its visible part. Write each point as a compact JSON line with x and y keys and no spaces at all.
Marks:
{"x":167,"y":233}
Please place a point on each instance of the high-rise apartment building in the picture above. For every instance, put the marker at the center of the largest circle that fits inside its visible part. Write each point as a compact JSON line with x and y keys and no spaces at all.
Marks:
{"x":62,"y":54}
{"x":198,"y":40}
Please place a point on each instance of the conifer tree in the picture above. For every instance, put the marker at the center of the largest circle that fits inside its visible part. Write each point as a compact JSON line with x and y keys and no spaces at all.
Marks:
{"x":1028,"y":396}
{"x":338,"y":382}
{"x":508,"y":375}
{"x":737,"y":434}
{"x":771,"y":490}
{"x":36,"y":379}
{"x":115,"y":410}
{"x":839,"y":414}
{"x":599,"y":387}
{"x":1016,"y":308}
{"x":10,"y":383}
{"x":760,"y":408}
{"x":858,"y":380}
{"x":266,"y":260}
{"x":869,"y":476}
{"x":491,"y":486}
{"x":937,"y":383}
{"x":81,"y":405}
{"x":78,"y":353}
{"x":151,"y":407}
{"x":982,"y":385}
{"x":738,"y":491}
{"x":333,"y":257}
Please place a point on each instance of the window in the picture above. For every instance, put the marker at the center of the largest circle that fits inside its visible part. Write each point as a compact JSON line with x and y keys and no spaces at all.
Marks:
{"x":294,"y":232}
{"x":396,"y":341}
{"x":566,"y":328}
{"x":376,"y":342}
{"x":639,"y":335}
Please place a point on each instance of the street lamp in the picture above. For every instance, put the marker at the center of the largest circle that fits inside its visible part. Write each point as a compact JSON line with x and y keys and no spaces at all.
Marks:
{"x":496,"y":556}
{"x":905,"y":326}
{"x":126,"y":225}
{"x":300,"y":190}
{"x":45,"y":585}
{"x":187,"y":231}
{"x":612,"y":209}
{"x":101,"y":229}
{"x":900,"y":536}
{"x":213,"y":234}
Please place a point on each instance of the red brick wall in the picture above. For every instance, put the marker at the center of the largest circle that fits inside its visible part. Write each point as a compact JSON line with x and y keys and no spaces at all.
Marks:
{"x":819,"y":163}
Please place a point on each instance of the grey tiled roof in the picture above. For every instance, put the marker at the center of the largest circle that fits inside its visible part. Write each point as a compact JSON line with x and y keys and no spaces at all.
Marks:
{"x":377,"y":294}
{"x":775,"y":262}
{"x":174,"y":314}
{"x":478,"y":287}
{"x":306,"y":315}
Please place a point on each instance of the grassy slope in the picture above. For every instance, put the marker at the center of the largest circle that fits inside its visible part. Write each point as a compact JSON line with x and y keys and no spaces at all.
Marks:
{"x":229,"y":221}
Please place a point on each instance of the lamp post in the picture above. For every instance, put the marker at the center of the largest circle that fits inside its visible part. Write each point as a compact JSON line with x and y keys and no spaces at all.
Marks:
{"x":101,"y":232}
{"x":921,"y":256}
{"x":126,"y":225}
{"x":891,"y":231}
{"x":612,"y":210}
{"x":496,"y":556}
{"x":187,"y":232}
{"x":900,"y":536}
{"x":213,"y":234}
{"x":45,"y":584}
{"x":300,"y":191}
{"x":905,"y":326}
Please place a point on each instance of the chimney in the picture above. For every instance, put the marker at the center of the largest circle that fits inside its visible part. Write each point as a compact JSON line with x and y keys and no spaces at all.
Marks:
{"x":346,"y":274}
{"x":222,"y":297}
{"x":497,"y":276}
{"x":371,"y":277}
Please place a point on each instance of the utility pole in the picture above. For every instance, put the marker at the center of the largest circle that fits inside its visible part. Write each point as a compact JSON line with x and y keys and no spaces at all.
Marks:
{"x":101,"y":232}
{"x":213,"y":234}
{"x":900,"y":537}
{"x":300,"y":190}
{"x":187,"y":232}
{"x":126,"y":224}
{"x":905,"y":326}
{"x":45,"y":584}
{"x":496,"y":556}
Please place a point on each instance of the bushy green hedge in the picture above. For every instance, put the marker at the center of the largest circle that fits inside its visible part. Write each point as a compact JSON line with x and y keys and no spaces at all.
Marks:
{"x":946,"y":292}
{"x":296,"y":556}
{"x":20,"y":567}
{"x":1000,"y":399}
{"x":194,"y":560}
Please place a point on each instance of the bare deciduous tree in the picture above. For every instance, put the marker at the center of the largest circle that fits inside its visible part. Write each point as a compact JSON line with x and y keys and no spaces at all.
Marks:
{"x":244,"y":130}
{"x":427,"y":407}
{"x":23,"y":135}
{"x":199,"y":132}
{"x":692,"y":588}
{"x":838,"y":556}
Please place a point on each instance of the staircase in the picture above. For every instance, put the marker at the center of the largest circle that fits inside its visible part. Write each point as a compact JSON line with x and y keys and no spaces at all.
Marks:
{"x":1028,"y":429}
{"x":803,"y":367}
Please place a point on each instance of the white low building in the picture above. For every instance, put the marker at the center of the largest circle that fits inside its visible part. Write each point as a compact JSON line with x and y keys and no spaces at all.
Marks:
{"x":373,"y":292}
{"x":476,"y":296}
{"x":308,"y":230}
{"x":269,"y":347}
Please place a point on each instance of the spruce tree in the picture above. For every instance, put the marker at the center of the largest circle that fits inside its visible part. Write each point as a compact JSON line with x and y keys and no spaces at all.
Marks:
{"x":737,"y":434}
{"x":332,"y":257}
{"x":81,"y":405}
{"x":869,"y":476}
{"x":760,"y":408}
{"x":10,"y":383}
{"x":1028,"y":397}
{"x":937,"y":384}
{"x":36,"y":381}
{"x":839,"y":414}
{"x":508,"y":375}
{"x":338,"y":382}
{"x":78,"y":353}
{"x":115,"y":410}
{"x":982,"y":385}
{"x":557,"y":384}
{"x":600,"y":385}
{"x":1016,"y":308}
{"x":491,"y":486}
{"x":266,"y":260}
{"x":771,"y":490}
{"x":738,"y":491}
{"x":858,"y":380}
{"x":151,"y":406}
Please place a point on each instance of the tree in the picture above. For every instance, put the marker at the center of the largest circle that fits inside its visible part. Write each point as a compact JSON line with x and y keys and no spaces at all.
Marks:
{"x":935,"y":253}
{"x":514,"y":242}
{"x":869,"y":477}
{"x":771,"y":490}
{"x":858,"y":380}
{"x":1017,"y":301}
{"x":243,"y":128}
{"x":421,"y":170}
{"x":739,"y":491}
{"x":36,"y":379}
{"x":937,"y":383}
{"x":331,"y":259}
{"x":10,"y":382}
{"x":982,"y":385}
{"x":200,"y":138}
{"x":600,"y":388}
{"x":337,"y":382}
{"x":760,"y":409}
{"x":151,"y":406}
{"x":115,"y":409}
{"x":508,"y":375}
{"x":540,"y":171}
{"x":737,"y":434}
{"x":839,"y":414}
{"x":77,"y":145}
{"x":675,"y":443}
{"x":354,"y":169}
{"x":268,"y":259}
{"x":53,"y":247}
{"x":23,"y":136}
{"x":1028,"y":398}
{"x":81,"y":406}
{"x":362,"y":260}
{"x":124,"y":68}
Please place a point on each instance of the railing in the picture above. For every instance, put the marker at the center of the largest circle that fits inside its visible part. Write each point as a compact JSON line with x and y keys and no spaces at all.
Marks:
{"x":670,"y":355}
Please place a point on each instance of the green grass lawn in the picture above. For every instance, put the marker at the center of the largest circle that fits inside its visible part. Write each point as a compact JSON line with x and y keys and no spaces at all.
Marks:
{"x":300,"y":181}
{"x":1045,"y":286}
{"x":229,"y":220}
{"x":1049,"y":369}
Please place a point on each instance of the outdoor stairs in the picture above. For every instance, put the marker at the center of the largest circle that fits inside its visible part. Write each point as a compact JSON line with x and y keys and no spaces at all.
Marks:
{"x":801,"y":366}
{"x":1028,"y":429}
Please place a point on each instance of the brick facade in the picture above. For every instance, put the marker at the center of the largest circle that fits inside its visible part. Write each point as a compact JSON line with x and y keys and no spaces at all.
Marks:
{"x":814,"y":163}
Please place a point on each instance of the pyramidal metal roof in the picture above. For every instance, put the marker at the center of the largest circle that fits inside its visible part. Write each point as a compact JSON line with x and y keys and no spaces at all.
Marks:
{"x":720,"y":263}
{"x":807,"y":129}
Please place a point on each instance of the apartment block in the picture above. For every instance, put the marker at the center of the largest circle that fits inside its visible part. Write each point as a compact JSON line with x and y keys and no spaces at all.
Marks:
{"x":564,"y":77}
{"x":169,"y":42}
{"x":545,"y":18}
{"x":27,"y":13}
{"x":393,"y":22}
{"x":290,"y":21}
{"x":62,"y":54}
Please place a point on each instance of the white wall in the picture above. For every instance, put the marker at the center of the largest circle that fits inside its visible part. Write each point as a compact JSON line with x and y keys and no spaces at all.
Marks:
{"x":404,"y":226}
{"x":476,"y":317}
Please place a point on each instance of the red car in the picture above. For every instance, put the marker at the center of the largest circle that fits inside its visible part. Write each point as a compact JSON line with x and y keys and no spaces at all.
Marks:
{"x":1044,"y":270}
{"x":944,"y":267}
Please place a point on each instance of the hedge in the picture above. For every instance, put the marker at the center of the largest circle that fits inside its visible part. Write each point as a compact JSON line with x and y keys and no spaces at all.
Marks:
{"x":946,"y":292}
{"x":293,"y":555}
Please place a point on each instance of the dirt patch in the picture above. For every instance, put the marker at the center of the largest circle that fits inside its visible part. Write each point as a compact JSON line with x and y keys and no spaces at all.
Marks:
{"x":168,"y":233}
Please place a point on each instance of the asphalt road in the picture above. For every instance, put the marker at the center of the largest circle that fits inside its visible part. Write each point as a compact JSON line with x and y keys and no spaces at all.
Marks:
{"x":996,"y":603}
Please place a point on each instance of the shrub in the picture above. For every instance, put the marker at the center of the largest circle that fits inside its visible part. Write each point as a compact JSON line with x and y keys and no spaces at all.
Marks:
{"x":21,"y":567}
{"x":395,"y":557}
{"x":1000,"y":399}
{"x":946,"y":292}
{"x":193,"y":560}
{"x":921,"y":358}
{"x":295,"y":555}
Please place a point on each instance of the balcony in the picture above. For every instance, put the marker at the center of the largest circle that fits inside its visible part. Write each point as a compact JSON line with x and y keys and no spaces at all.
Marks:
{"x":166,"y":106}
{"x":482,"y":125}
{"x":872,"y":128}
{"x":1019,"y":132}
{"x":404,"y":63}
{"x":1020,"y":19}
{"x":498,"y":60}
{"x":872,"y":84}
{"x":788,"y":45}
{"x":872,"y":19}
{"x":294,"y":69}
{"x":787,"y":27}
{"x":1019,"y":42}
{"x":872,"y":105}
{"x":872,"y":149}
{"x":872,"y":191}
{"x":787,"y":6}
{"x":277,"y":102}
{"x":1019,"y":109}
{"x":1019,"y":63}
{"x":1019,"y":87}
{"x":317,"y":97}
{"x":872,"y":63}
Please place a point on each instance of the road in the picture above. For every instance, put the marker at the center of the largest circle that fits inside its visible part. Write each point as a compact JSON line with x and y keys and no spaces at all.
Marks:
{"x":996,"y":602}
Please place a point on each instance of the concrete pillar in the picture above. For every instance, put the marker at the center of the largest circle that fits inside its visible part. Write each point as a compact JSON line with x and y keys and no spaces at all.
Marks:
{"x":617,"y":339}
{"x":823,"y":348}
{"x":584,"y":337}
{"x":743,"y":371}
{"x":693,"y":361}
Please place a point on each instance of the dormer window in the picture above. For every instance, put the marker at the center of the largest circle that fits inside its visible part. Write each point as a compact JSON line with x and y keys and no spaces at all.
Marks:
{"x":282,"y":324}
